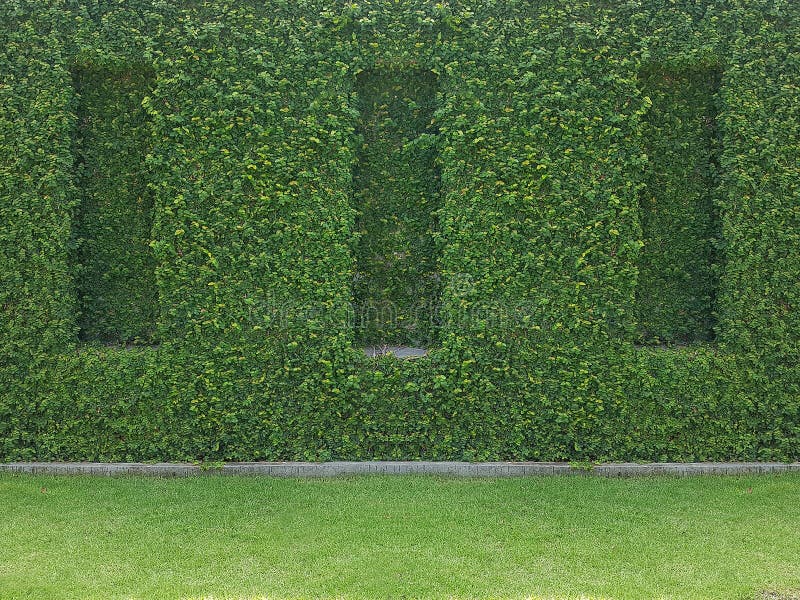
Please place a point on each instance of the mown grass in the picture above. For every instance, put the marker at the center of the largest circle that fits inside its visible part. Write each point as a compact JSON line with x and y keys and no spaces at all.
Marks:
{"x":398,"y":537}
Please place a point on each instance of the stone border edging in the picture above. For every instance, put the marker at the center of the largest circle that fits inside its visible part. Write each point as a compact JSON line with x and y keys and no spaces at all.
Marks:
{"x":457,"y":469}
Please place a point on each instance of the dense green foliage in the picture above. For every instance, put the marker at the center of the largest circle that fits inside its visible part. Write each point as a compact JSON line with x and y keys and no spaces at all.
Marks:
{"x":564,"y":182}
{"x":543,"y":538}
{"x":678,"y":216}
{"x":395,"y":291}
{"x":113,"y":220}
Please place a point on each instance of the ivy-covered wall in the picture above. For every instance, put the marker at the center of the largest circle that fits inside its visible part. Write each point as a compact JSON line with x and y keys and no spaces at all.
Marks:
{"x":598,"y":201}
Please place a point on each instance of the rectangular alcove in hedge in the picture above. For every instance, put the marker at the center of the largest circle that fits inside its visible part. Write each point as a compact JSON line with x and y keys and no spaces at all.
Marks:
{"x":396,"y":194}
{"x":114,"y":267}
{"x":678,"y":265}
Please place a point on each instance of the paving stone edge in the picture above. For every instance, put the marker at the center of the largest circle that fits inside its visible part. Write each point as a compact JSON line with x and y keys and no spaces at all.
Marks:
{"x":456,"y":469}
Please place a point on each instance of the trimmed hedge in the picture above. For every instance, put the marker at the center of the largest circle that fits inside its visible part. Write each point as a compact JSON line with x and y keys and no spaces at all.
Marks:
{"x":598,"y":202}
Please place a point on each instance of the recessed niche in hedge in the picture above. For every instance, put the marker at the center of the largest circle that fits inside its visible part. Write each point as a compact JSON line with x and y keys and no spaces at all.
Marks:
{"x":114,"y":266}
{"x":677,"y":275}
{"x":396,"y":188}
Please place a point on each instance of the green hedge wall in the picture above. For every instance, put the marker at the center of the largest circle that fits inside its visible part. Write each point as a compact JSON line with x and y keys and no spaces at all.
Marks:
{"x":601,"y":200}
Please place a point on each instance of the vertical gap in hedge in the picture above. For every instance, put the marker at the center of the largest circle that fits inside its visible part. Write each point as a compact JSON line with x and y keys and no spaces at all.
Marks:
{"x":114,"y":267}
{"x":680,"y":227}
{"x":396,"y":288}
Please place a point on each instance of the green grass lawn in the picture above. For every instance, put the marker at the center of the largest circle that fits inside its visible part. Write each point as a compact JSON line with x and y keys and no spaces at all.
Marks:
{"x":398,"y":537}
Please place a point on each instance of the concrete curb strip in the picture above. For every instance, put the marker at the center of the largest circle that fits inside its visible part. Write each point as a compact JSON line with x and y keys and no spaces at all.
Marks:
{"x":457,"y":469}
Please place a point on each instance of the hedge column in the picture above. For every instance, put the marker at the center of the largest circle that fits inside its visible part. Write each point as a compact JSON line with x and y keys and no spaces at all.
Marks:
{"x":36,"y":191}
